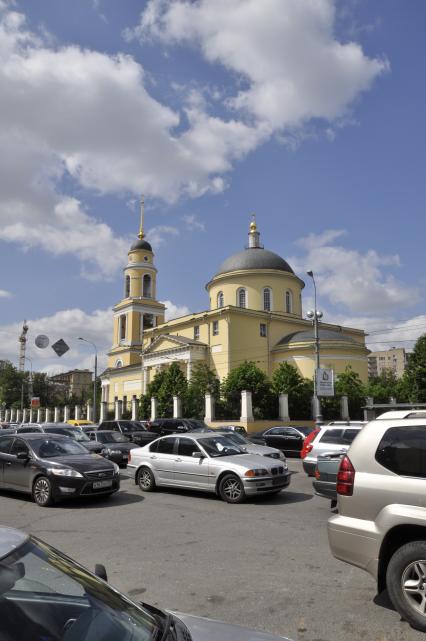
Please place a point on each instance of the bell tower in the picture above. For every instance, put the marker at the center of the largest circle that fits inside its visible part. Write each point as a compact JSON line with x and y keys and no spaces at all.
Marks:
{"x":139,"y":309}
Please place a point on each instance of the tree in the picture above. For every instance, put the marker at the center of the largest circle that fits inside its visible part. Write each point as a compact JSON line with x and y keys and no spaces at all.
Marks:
{"x":287,"y":380}
{"x":382,"y":387}
{"x":248,"y":376}
{"x":11,"y":382}
{"x":166,"y":384}
{"x":415,"y":374}
{"x":203,"y":381}
{"x":349,"y":384}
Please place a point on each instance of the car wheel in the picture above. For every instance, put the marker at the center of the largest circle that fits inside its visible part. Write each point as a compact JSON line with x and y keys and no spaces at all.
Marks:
{"x":231,"y":489}
{"x":42,"y":491}
{"x":145,"y":479}
{"x":406,"y":583}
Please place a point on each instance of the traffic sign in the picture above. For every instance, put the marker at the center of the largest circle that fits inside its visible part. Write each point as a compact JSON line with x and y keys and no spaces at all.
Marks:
{"x":42,"y":341}
{"x":35,"y":402}
{"x":60,"y":347}
{"x":325,"y":382}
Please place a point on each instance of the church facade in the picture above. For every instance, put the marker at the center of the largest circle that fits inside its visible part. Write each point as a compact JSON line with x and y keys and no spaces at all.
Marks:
{"x":255,"y":314}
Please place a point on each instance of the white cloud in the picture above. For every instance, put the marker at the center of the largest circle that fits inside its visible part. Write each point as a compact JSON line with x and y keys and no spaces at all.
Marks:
{"x":192,"y":223}
{"x":174,"y":311}
{"x":285,"y":53}
{"x":5,"y":294}
{"x":351,"y":278}
{"x":160,"y":235}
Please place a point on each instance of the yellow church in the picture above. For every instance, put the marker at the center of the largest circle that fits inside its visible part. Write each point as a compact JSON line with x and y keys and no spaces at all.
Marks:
{"x":255,"y":314}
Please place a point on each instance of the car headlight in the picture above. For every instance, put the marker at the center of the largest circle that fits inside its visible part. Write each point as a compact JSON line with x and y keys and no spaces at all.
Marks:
{"x":105,"y":451}
{"x":256,"y":472}
{"x":57,"y":471}
{"x":282,"y":456}
{"x":116,"y":468}
{"x":115,"y":452}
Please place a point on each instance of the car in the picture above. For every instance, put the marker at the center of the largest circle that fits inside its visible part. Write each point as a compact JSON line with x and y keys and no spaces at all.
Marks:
{"x":80,"y":422}
{"x":250,"y":447}
{"x":207,"y":462}
{"x":46,"y":595}
{"x":325,"y":477}
{"x":66,"y":430}
{"x":381,"y":521}
{"x":134,"y":430}
{"x":164,"y":426}
{"x":330,"y":438}
{"x":116,"y":446}
{"x":288,"y":439}
{"x":51,"y":467}
{"x":307,"y":443}
{"x":231,"y":428}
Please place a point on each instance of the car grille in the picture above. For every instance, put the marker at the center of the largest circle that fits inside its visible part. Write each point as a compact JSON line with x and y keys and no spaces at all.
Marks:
{"x":277,"y":470}
{"x":100,"y":474}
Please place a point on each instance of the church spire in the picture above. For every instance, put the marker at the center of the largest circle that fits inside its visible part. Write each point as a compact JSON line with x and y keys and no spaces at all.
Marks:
{"x":254,"y":236}
{"x":141,"y":235}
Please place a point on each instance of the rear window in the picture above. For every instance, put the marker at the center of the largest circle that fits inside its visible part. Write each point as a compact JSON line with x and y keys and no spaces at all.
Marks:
{"x":331,"y":436}
{"x":166,"y":445}
{"x":402,"y":450}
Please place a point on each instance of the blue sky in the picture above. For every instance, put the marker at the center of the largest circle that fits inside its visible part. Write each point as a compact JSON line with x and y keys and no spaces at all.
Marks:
{"x":309,"y":114}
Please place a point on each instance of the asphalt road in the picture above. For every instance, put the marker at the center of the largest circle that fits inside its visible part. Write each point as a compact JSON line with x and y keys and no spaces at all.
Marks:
{"x":264,"y":563}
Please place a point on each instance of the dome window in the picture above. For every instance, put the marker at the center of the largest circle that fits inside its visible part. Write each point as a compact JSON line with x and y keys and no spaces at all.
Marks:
{"x":267,"y":297}
{"x":127,"y":287}
{"x":288,"y":302}
{"x":220,"y":299}
{"x":241,"y":297}
{"x":118,"y":364}
{"x":146,"y":286}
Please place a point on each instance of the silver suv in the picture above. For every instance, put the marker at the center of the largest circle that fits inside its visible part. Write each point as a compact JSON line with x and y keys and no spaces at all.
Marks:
{"x":381,"y":525}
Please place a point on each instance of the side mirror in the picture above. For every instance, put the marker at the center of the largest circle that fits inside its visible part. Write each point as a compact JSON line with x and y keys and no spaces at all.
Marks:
{"x":197,"y":455}
{"x":101,"y":572}
{"x":22,"y":456}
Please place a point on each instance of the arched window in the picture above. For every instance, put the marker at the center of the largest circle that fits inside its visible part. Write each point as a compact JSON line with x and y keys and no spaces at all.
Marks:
{"x":146,"y":290}
{"x":267,"y":297}
{"x":127,"y":287}
{"x":220,"y":299}
{"x":118,"y":364}
{"x":123,"y":327}
{"x":288,"y":302}
{"x":241,"y":297}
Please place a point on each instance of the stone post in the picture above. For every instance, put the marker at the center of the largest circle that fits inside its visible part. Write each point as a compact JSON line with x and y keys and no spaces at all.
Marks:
{"x":89,"y":414}
{"x":13,"y":415}
{"x":48,"y":415}
{"x":145,"y":380}
{"x":66,"y":413}
{"x":7,"y":416}
{"x":118,"y":410}
{"x":39,"y":419}
{"x":246,"y":406}
{"x":104,"y":410}
{"x":25,"y":415}
{"x":57,"y":415}
{"x":209,"y":408}
{"x":77,"y":412}
{"x":283,"y":404}
{"x":177,"y":407}
{"x":19,"y":416}
{"x":31,"y":416}
{"x":153,"y":408}
{"x":392,"y":400}
{"x":344,"y":408}
{"x":134,"y":409}
{"x":188,"y":370}
{"x":369,"y":413}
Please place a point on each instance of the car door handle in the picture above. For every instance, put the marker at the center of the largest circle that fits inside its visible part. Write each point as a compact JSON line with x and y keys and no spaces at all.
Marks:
{"x":179,"y":460}
{"x":152,"y":457}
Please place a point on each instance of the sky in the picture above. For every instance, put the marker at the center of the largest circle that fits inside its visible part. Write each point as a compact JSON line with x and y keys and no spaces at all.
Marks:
{"x":306,"y":112}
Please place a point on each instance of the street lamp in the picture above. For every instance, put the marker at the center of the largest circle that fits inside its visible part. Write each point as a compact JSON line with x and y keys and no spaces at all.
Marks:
{"x":96,"y":375}
{"x":315,"y":315}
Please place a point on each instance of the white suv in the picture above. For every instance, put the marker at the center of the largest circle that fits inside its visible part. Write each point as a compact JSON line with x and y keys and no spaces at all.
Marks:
{"x":335,"y":437}
{"x":381,"y":524}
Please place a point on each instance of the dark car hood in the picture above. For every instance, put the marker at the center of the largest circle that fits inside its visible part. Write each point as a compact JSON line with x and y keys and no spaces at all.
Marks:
{"x":80,"y":462}
{"x":92,"y":446}
{"x":122,"y":447}
{"x":256,"y":435}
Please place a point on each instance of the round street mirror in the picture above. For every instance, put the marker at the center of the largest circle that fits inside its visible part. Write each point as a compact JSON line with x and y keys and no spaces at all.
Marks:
{"x":42,"y":341}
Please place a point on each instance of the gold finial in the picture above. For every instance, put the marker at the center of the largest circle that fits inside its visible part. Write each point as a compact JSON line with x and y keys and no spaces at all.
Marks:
{"x":253,"y":226}
{"x":141,"y":234}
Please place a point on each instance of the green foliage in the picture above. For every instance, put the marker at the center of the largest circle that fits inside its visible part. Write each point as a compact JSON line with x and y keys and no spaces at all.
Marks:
{"x":144,"y":410}
{"x":350,"y":384}
{"x":11,"y":382}
{"x":166,"y":384}
{"x":287,"y":380}
{"x":203,"y":381}
{"x":415,"y":374}
{"x":248,"y":376}
{"x":382,"y":387}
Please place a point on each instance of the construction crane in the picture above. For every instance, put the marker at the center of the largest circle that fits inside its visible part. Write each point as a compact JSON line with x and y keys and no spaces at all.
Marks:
{"x":22,"y":346}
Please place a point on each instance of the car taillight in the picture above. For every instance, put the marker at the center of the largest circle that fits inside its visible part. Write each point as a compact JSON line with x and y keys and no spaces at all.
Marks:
{"x":345,"y":477}
{"x":317,"y":474}
{"x":130,"y":457}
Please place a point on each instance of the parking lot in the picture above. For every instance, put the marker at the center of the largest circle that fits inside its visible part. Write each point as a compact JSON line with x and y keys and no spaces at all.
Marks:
{"x":264,"y":563}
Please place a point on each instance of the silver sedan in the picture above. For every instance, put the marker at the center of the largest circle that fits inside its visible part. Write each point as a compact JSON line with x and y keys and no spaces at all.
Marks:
{"x":253,"y":448}
{"x":212,"y":463}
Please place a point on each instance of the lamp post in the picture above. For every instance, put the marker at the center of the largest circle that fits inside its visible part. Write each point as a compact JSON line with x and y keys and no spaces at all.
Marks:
{"x":315,"y":315}
{"x":96,"y":376}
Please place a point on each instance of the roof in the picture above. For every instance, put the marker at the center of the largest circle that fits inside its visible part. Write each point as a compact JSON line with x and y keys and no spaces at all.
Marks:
{"x":10,"y":539}
{"x":254,"y":258}
{"x":309,"y":336}
{"x":140,"y":243}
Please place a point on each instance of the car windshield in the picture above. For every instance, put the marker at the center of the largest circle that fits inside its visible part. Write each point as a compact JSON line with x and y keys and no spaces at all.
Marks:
{"x":112,"y":437}
{"x":200,"y":426}
{"x":130,"y":426}
{"x":220,"y":446}
{"x":305,"y":430}
{"x":45,"y":595}
{"x":235,"y":437}
{"x":76,"y":435}
{"x":51,"y":447}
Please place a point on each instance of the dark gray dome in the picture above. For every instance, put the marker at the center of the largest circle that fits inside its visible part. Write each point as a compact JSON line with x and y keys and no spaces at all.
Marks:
{"x":141,"y":244}
{"x":254,"y":258}
{"x":309,"y":335}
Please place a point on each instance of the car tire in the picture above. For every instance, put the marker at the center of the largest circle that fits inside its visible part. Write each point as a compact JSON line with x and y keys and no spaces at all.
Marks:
{"x":145,"y":479}
{"x":408,"y":565}
{"x":42,"y":492}
{"x":231,"y":489}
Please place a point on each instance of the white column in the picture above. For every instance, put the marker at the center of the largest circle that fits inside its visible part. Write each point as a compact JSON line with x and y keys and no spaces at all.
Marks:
{"x":344,"y":408}
{"x":18,"y":416}
{"x":246,"y":406}
{"x":56,"y":415}
{"x":134,"y":409}
{"x":145,"y":380}
{"x":39,"y":415}
{"x":13,"y":415}
{"x":153,"y":408}
{"x":177,"y":407}
{"x":118,"y":410}
{"x":1,"y":415}
{"x":103,"y":413}
{"x":7,"y":416}
{"x":283,"y":403}
{"x":77,"y":412}
{"x":188,"y":369}
{"x":209,"y":408}
{"x":48,"y":415}
{"x":89,"y":413}
{"x":66,"y":413}
{"x":392,"y":400}
{"x":31,"y":416}
{"x":25,"y":415}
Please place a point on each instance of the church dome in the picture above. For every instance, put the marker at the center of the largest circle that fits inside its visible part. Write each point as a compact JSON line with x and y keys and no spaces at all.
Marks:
{"x":309,"y":335}
{"x":254,"y":258}
{"x":141,"y":243}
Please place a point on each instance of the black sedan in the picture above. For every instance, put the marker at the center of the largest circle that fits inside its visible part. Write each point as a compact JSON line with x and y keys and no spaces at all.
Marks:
{"x":287,"y":439}
{"x":59,"y":428}
{"x":52,"y":467}
{"x":116,"y":446}
{"x":134,"y":430}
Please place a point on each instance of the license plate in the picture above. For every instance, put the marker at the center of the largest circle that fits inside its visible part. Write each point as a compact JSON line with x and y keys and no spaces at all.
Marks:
{"x":98,"y":484}
{"x":277,"y":481}
{"x":125,"y":458}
